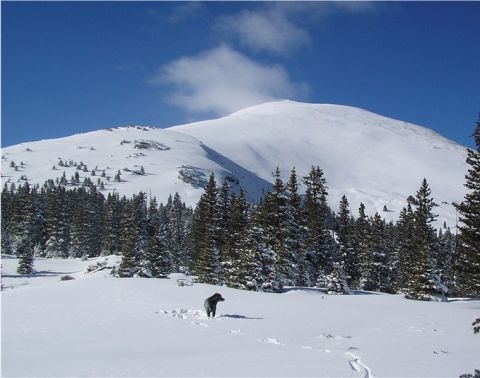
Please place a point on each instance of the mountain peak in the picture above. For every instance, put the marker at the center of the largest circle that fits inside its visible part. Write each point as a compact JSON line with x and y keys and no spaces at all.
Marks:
{"x":367,"y":157}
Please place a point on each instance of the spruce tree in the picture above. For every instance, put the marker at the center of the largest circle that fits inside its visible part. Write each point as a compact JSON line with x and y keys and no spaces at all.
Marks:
{"x":376,"y":276}
{"x":206,"y":264}
{"x":346,"y":258}
{"x":319,"y":242}
{"x":233,"y":268}
{"x":178,"y":220}
{"x":422,"y":282}
{"x":133,"y":250}
{"x":467,"y":259}
{"x":362,"y":242}
{"x":25,"y":252}
{"x":281,"y":226}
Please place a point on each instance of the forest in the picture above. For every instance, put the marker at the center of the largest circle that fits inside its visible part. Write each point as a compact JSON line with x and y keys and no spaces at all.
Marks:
{"x":287,"y":239}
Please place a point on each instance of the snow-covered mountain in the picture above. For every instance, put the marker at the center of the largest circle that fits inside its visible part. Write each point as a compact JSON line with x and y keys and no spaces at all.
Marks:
{"x":369,"y":158}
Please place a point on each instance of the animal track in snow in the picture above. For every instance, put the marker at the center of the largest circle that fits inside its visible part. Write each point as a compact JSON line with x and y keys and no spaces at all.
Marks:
{"x":237,"y":332}
{"x":271,"y":340}
{"x":184,"y":314}
{"x":330,"y":336}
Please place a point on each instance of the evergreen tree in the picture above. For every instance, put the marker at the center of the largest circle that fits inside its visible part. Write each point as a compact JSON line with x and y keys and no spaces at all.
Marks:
{"x":25,"y":252}
{"x":178,"y":219}
{"x":260,"y":262}
{"x":467,"y":259}
{"x":319,"y":241}
{"x":335,"y":282}
{"x":280,"y":219}
{"x":362,"y":243}
{"x":422,"y":282}
{"x":347,"y":258}
{"x":233,"y":271}
{"x":133,"y":251}
{"x":157,"y":257}
{"x":296,"y":232}
{"x":206,"y":264}
{"x":376,"y":276}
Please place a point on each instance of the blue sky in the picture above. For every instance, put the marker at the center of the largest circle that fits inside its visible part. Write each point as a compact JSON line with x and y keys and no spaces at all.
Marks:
{"x":70,"y":67}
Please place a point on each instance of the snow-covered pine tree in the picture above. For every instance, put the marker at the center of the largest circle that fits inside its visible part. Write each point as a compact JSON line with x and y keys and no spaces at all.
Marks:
{"x":446,"y":250}
{"x":233,"y":271}
{"x":25,"y":252}
{"x":260,"y":262}
{"x":405,"y":248}
{"x":423,"y":283}
{"x":467,"y":257}
{"x":178,"y":219}
{"x":376,"y":276}
{"x":112,"y":229}
{"x":206,"y":264}
{"x":133,"y":250}
{"x":318,"y":241}
{"x":57,"y":221}
{"x":296,"y":231}
{"x":345,"y":229}
{"x":362,"y":237}
{"x":281,"y":225}
{"x":335,"y":282}
{"x":222,"y":218}
{"x":158,"y":261}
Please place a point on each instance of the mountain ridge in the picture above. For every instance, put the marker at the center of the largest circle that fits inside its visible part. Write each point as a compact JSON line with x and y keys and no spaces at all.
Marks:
{"x":368,"y":157}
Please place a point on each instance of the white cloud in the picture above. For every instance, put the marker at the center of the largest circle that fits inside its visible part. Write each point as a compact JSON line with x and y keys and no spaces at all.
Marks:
{"x":221,"y":80}
{"x":268,"y":29}
{"x":282,"y":27}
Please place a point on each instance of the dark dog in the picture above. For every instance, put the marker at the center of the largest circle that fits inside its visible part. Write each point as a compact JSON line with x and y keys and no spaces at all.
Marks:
{"x":211,"y":304}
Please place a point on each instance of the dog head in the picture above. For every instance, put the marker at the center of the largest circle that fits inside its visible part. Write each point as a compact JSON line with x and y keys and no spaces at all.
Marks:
{"x":217,"y":297}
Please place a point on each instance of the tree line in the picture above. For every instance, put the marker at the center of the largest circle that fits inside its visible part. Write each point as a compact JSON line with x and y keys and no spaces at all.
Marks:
{"x":287,"y":239}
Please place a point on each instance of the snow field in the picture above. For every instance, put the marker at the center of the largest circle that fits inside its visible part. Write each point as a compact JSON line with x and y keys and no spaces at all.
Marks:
{"x":99,"y":326}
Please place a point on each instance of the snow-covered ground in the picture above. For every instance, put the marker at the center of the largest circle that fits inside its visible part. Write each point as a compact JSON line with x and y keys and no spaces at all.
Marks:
{"x":100,"y":326}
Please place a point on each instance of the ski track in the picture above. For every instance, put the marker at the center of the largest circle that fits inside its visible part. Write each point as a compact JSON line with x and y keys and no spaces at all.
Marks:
{"x":357,"y":365}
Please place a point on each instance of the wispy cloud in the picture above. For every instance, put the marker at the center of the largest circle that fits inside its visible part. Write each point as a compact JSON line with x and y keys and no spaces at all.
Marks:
{"x":282,"y":28}
{"x":269,"y":29}
{"x":222,"y":80}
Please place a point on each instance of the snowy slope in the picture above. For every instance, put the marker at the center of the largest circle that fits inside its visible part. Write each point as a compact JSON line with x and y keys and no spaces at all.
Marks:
{"x":165,"y":155}
{"x":369,"y":158}
{"x":99,"y":326}
{"x":372,"y":159}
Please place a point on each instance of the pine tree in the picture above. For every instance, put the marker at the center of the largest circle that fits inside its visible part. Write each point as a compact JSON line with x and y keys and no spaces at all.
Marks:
{"x":422,"y":282}
{"x":25,"y":252}
{"x":133,"y":251}
{"x":233,"y":272}
{"x":178,"y":220}
{"x":157,"y":257}
{"x":335,"y":282}
{"x":362,"y":242}
{"x":319,"y":242}
{"x":296,"y":231}
{"x":376,"y":277}
{"x":467,"y":259}
{"x":280,"y":219}
{"x":260,"y":245}
{"x":347,"y":258}
{"x":206,"y":264}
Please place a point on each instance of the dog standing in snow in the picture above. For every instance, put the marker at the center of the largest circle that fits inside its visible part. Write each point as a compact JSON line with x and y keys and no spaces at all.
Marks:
{"x":211,"y":304}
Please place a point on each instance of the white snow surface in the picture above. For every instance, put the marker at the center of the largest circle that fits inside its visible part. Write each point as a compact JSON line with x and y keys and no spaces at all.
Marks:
{"x":369,"y":158}
{"x":100,"y":326}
